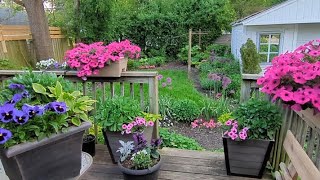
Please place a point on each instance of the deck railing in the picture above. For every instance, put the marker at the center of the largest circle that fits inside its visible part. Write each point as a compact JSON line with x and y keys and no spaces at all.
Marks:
{"x":145,"y":82}
{"x":306,"y":130}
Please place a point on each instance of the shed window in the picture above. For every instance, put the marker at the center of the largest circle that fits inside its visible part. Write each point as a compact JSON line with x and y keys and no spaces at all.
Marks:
{"x":269,"y":46}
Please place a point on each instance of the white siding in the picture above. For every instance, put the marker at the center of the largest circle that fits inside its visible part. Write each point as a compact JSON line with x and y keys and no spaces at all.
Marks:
{"x":237,"y":39}
{"x":291,"y":12}
{"x":307,"y":32}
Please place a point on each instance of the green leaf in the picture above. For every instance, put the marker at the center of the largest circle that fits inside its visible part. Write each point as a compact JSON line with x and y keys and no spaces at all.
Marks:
{"x":58,"y":89}
{"x":38,"y":88}
{"x":76,"y":121}
{"x":83,"y":116}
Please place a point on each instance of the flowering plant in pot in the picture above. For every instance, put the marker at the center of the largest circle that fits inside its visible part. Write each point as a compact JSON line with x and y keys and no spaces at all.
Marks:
{"x":96,"y":58}
{"x":51,"y":64}
{"x":294,"y":78}
{"x":139,"y":161}
{"x":44,"y":124}
{"x":248,"y":139}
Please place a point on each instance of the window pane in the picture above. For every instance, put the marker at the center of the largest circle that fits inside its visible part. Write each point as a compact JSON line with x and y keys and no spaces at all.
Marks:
{"x":264,"y":38}
{"x":263,"y":58}
{"x":263,"y":48}
{"x":271,"y":56}
{"x":274,"y":48}
{"x":275,"y":38}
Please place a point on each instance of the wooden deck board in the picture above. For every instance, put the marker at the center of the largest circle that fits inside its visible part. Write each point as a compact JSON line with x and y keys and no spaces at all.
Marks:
{"x":177,"y":164}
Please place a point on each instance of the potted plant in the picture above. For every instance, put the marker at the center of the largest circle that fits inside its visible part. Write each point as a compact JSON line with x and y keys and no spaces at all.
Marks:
{"x":89,"y":144}
{"x":249,"y":138}
{"x":50,"y":65}
{"x":294,"y":79}
{"x":139,"y":161}
{"x":42,"y":128}
{"x":114,"y":114}
{"x":97,"y":59}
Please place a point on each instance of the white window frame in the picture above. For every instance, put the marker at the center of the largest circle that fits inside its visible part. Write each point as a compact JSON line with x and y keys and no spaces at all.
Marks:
{"x":268,"y":53}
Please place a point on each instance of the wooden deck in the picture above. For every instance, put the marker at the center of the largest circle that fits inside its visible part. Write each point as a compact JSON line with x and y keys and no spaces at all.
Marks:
{"x":178,"y":165}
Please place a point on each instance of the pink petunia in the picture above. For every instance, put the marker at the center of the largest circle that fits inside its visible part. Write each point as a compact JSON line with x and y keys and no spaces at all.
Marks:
{"x":150,"y":123}
{"x":228,"y":123}
{"x":124,"y":126}
{"x":296,"y":107}
{"x":298,"y":78}
{"x":286,"y":95}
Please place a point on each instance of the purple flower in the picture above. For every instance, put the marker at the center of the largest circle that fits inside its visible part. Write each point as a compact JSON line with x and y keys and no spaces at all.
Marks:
{"x":160,"y":77}
{"x":140,"y":142}
{"x":155,"y":143}
{"x":15,"y":98}
{"x":169,"y":80}
{"x":56,"y":65}
{"x":57,"y":107}
{"x":5,"y":135}
{"x":225,"y":82}
{"x":214,"y":77}
{"x":20,"y":117}
{"x":164,"y":84}
{"x":6,"y":113}
{"x":25,"y":94}
{"x":14,"y":86}
{"x":32,"y":110}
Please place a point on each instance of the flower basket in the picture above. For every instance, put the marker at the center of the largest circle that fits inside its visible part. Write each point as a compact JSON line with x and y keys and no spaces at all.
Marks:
{"x":113,"y":69}
{"x":145,"y":174}
{"x":112,"y":141}
{"x":56,"y":157}
{"x":246,"y":158}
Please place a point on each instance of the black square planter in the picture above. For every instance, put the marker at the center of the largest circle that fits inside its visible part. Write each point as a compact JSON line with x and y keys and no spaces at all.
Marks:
{"x":246,"y":158}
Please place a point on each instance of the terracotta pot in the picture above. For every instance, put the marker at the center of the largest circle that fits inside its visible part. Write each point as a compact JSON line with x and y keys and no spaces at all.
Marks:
{"x":114,"y":69}
{"x":56,"y":157}
{"x":246,"y":158}
{"x":145,"y":174}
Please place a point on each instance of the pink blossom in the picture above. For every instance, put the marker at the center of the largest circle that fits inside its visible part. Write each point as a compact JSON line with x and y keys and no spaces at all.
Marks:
{"x":296,"y":107}
{"x":286,"y":95}
{"x":150,"y":123}
{"x":124,"y":126}
{"x":228,"y":123}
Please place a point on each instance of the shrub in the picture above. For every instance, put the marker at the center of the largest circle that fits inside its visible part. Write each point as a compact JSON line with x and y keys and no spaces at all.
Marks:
{"x":156,"y":61}
{"x":196,"y":54}
{"x":6,"y":65}
{"x":262,"y":117}
{"x":185,"y":110}
{"x":174,"y":140}
{"x":225,"y":117}
{"x":165,"y":106}
{"x":116,"y":111}
{"x":219,"y":49}
{"x":250,"y":58}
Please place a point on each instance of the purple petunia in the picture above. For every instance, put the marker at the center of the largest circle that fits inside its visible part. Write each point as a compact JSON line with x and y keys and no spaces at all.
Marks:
{"x":6,"y":113}
{"x":20,"y":117}
{"x":32,"y":110}
{"x":14,"y":86}
{"x":57,"y":107}
{"x":155,"y":143}
{"x":140,"y":142}
{"x":5,"y":135}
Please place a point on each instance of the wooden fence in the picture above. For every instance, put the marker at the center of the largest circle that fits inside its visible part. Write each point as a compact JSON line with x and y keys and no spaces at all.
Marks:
{"x":16,"y":44}
{"x":305,"y":129}
{"x":146,"y":84}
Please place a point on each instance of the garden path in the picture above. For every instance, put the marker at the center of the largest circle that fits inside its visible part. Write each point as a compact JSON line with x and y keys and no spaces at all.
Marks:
{"x":178,"y":165}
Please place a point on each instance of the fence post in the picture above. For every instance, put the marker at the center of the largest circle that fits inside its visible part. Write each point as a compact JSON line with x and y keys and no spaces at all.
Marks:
{"x":154,"y":102}
{"x":189,"y":52}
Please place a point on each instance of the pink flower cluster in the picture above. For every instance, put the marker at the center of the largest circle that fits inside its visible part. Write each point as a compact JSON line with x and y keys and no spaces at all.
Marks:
{"x":294,"y":77}
{"x":233,"y":130}
{"x":89,"y":58}
{"x":137,"y":125}
{"x":207,"y":124}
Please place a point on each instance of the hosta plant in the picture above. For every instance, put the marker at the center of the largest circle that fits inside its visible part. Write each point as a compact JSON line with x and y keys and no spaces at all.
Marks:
{"x":30,"y":112}
{"x":294,"y":77}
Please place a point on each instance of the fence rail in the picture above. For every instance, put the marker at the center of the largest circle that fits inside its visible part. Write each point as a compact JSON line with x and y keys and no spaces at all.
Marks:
{"x":304,"y":125}
{"x":16,"y":44}
{"x":100,"y":88}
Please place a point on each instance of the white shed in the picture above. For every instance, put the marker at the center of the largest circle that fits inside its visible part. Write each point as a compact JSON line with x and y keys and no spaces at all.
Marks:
{"x":278,"y":29}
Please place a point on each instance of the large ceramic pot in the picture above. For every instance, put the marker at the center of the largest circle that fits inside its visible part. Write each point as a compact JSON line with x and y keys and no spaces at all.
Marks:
{"x":246,"y":158}
{"x":56,"y":157}
{"x":145,"y":174}
{"x":113,"y":144}
{"x":113,"y":69}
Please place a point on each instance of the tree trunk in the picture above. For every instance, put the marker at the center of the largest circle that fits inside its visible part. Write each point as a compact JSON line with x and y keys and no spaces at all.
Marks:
{"x":39,"y":28}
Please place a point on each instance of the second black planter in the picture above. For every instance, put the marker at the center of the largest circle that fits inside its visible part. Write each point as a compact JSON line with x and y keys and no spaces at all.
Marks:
{"x":89,"y":144}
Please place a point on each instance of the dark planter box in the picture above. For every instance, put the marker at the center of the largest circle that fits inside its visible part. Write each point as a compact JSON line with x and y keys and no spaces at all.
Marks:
{"x":89,"y":144}
{"x":56,"y":157}
{"x":112,"y":141}
{"x":246,"y":158}
{"x":146,"y":174}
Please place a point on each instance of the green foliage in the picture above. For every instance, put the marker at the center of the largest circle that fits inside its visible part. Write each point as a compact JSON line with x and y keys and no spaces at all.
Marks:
{"x":219,"y":49}
{"x":78,"y":105}
{"x":116,"y":111}
{"x":184,"y":110}
{"x":250,"y":58}
{"x":141,"y":160}
{"x":6,"y":65}
{"x":262,"y":117}
{"x":225,"y":117}
{"x":165,"y":106}
{"x":151,"y":117}
{"x":196,"y":54}
{"x":174,"y":140}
